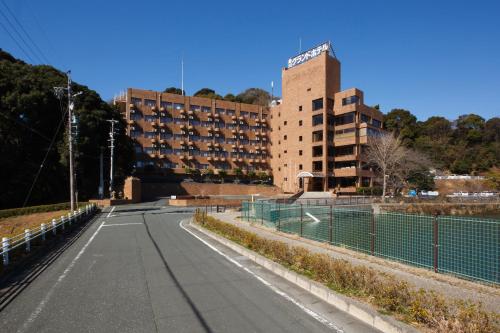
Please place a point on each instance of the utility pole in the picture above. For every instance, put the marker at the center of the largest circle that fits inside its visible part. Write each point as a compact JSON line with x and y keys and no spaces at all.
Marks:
{"x":59,"y":91}
{"x":112,"y":146}
{"x":101,"y":175}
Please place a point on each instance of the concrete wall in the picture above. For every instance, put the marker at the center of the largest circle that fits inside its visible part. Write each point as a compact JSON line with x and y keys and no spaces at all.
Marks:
{"x":155,"y":190}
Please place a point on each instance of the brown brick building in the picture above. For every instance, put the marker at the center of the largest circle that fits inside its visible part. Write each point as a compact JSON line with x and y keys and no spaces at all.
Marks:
{"x":175,"y":132}
{"x":318,"y":131}
{"x":312,"y":140}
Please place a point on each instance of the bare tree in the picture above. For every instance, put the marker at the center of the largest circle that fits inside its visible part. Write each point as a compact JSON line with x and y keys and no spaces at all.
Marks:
{"x":393,"y":161}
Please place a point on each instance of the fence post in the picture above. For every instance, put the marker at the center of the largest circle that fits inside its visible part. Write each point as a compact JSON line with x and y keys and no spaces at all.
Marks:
{"x":42,"y":230}
{"x":63,"y":221}
{"x":372,"y":232}
{"x":262,"y":213}
{"x":279,"y":217}
{"x":5,"y":250}
{"x":301,"y":220}
{"x":27,"y":239}
{"x":435,"y":241}
{"x":69,"y":218}
{"x":54,"y":226}
{"x":330,"y":226}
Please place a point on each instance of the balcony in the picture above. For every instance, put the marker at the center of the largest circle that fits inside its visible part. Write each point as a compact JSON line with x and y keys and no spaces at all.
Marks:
{"x":152,"y":155}
{"x":252,"y":160}
{"x":182,"y":126}
{"x":190,"y":127}
{"x":209,"y":144}
{"x":154,"y":108}
{"x":240,"y":160}
{"x":209,"y":158}
{"x":163,"y":156}
{"x":182,"y":111}
{"x":240,"y":118}
{"x":223,"y":159}
{"x":183,"y":157}
{"x":233,"y":118}
{"x":343,"y":158}
{"x":190,"y":158}
{"x":131,"y":106}
{"x":153,"y":124}
{"x":234,"y":159}
{"x":346,"y":141}
{"x":130,"y":122}
{"x":154,"y":140}
{"x":190,"y":143}
{"x":163,"y":141}
{"x":182,"y":142}
{"x":190,"y":112}
{"x":216,"y":159}
{"x":345,"y":172}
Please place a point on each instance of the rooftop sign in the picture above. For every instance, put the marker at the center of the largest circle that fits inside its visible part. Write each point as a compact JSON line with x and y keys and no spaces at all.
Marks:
{"x":308,"y":55}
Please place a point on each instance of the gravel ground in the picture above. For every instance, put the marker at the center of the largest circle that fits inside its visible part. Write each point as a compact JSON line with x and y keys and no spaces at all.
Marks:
{"x":448,"y":285}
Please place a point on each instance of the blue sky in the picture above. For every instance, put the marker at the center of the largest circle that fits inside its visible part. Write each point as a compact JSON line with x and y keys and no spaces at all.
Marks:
{"x":430,"y":57}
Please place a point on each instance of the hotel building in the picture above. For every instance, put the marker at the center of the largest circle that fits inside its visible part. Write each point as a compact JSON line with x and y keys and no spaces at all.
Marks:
{"x":312,"y":140}
{"x":176,"y":133}
{"x":319,"y":132}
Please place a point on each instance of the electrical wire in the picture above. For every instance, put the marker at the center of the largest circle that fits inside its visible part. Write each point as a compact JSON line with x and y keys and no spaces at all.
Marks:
{"x":44,"y":159}
{"x":13,"y":27}
{"x":15,"y":41}
{"x":43,"y":57}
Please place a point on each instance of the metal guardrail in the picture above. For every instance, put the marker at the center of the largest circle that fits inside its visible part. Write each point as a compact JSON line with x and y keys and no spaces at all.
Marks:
{"x":25,"y":239}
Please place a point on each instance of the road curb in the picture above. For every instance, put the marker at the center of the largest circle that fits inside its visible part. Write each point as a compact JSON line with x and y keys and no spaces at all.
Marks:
{"x":353,"y":307}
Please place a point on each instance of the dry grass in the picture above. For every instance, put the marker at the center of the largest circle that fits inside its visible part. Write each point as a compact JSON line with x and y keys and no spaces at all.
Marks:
{"x":12,"y":226}
{"x":424,"y":309}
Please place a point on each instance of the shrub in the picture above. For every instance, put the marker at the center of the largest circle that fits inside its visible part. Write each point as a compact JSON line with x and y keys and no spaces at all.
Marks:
{"x":420,"y":307}
{"x":35,"y":209}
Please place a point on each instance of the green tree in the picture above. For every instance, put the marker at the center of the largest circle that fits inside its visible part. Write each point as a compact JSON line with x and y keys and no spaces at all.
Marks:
{"x":254,"y":96}
{"x":174,"y":90}
{"x":403,"y":124}
{"x":230,"y":97}
{"x":222,"y":175}
{"x":31,"y":115}
{"x":207,"y":93}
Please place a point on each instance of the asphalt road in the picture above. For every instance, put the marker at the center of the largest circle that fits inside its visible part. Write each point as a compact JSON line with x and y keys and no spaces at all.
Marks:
{"x":137,"y":269}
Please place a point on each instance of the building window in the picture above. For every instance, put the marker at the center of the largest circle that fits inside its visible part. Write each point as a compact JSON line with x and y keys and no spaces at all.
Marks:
{"x":284,"y":123}
{"x":300,"y":107}
{"x":284,"y":137}
{"x":136,"y":101}
{"x":279,"y":155}
{"x":317,"y":166}
{"x":300,"y":122}
{"x":300,"y":152}
{"x":317,"y":151}
{"x":300,"y":166}
{"x":150,"y":102}
{"x":350,"y":100}
{"x":317,"y":136}
{"x":279,"y":168}
{"x":317,"y":120}
{"x":308,"y":89}
{"x":178,"y":106}
{"x":365,"y":118}
{"x":347,"y":118}
{"x":300,"y":137}
{"x":286,"y":151}
{"x":377,"y":123}
{"x":317,"y":104}
{"x":285,"y":179}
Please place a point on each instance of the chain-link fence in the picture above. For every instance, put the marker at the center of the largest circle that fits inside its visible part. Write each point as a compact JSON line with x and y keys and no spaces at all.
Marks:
{"x":464,"y":246}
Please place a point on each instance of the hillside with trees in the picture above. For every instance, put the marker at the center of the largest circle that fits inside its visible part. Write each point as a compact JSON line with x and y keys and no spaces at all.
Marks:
{"x":467,"y":145}
{"x":250,"y":96}
{"x":31,"y":116}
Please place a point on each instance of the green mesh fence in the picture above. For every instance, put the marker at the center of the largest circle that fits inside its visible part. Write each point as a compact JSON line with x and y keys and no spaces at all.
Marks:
{"x":467,"y":247}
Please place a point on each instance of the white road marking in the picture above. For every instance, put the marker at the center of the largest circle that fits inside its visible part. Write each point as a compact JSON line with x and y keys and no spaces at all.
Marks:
{"x":61,"y":277}
{"x":111,"y":211}
{"x":289,"y":298}
{"x":120,"y":224}
{"x":313,"y":217}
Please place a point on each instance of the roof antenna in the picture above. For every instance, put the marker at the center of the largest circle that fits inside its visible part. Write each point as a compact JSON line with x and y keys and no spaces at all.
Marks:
{"x":300,"y":44}
{"x":182,"y":75}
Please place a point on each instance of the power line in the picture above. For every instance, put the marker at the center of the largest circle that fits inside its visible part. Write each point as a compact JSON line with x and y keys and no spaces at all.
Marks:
{"x":15,"y":41}
{"x":44,"y":160}
{"x":26,"y":33}
{"x":43,"y":33}
{"x":13,"y":27}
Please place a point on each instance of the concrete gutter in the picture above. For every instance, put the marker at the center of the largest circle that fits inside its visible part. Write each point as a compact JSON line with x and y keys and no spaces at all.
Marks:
{"x":355,"y":308}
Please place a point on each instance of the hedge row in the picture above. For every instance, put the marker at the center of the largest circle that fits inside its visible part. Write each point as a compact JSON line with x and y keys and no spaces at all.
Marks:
{"x":424,"y":309}
{"x":34,"y":209}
